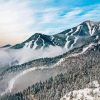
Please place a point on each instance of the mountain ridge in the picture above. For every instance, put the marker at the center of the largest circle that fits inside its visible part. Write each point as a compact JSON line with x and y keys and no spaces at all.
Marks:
{"x":66,"y":39}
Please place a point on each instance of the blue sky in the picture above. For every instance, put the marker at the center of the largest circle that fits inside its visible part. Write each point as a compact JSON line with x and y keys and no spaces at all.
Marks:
{"x":73,"y":3}
{"x":19,"y":19}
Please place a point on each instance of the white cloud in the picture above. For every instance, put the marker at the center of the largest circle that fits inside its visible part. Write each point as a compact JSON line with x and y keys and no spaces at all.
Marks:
{"x":16,"y":18}
{"x":10,"y":56}
{"x":73,"y":13}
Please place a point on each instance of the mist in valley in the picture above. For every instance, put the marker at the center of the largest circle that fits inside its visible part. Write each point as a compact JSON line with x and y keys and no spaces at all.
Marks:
{"x":18,"y":81}
{"x":10,"y":57}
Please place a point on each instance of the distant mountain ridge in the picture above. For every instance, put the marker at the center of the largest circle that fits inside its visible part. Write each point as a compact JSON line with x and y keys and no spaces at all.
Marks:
{"x":86,"y":32}
{"x":8,"y":45}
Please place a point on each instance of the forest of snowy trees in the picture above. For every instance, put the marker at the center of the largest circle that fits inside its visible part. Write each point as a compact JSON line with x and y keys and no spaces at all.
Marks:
{"x":79,"y":71}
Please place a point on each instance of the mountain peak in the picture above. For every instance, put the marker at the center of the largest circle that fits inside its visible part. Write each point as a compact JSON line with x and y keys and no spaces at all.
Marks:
{"x":88,"y":31}
{"x":37,"y":34}
{"x":91,"y":22}
{"x":86,"y":21}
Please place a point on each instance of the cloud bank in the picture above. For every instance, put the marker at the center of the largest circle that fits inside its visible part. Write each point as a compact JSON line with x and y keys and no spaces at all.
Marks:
{"x":11,"y":57}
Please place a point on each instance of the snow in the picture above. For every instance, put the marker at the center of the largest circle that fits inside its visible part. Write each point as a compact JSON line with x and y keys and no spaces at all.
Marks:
{"x":43,"y":44}
{"x":89,"y":27}
{"x":83,"y":51}
{"x":35,"y":44}
{"x":84,"y":94}
{"x":86,"y":48}
{"x":60,"y":61}
{"x":75,"y":40}
{"x":91,"y":31}
{"x":67,"y":43}
{"x":97,"y":37}
{"x":75,"y":54}
{"x":28,"y":44}
{"x":52,"y":37}
{"x":98,"y":42}
{"x":78,"y":27}
{"x":14,"y":79}
{"x":94,"y":84}
{"x":69,"y":32}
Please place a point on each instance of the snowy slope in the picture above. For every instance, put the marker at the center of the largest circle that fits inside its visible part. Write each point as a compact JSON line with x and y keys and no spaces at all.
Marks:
{"x":92,"y":92}
{"x":84,"y":50}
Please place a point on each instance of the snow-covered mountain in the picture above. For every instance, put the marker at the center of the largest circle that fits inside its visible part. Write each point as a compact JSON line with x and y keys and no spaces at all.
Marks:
{"x":84,"y":33}
{"x":79,"y":66}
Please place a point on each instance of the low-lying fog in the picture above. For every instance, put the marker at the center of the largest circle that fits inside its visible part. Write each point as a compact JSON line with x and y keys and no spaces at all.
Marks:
{"x":10,"y":57}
